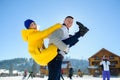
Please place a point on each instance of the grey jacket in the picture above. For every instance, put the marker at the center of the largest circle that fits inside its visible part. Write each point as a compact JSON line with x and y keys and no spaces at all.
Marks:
{"x":56,"y":39}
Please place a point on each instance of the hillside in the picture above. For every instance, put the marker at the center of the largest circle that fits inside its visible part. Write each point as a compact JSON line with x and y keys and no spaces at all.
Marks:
{"x":22,"y":64}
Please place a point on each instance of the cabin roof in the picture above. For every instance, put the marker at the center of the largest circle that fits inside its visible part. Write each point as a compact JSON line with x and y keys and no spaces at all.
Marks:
{"x":103,"y":49}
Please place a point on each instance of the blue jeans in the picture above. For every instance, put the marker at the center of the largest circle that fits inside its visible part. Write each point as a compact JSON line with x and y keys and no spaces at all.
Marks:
{"x":106,"y":74}
{"x":54,"y":68}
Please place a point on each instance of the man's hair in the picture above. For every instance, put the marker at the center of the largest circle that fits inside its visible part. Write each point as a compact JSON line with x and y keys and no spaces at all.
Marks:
{"x":69,"y":17}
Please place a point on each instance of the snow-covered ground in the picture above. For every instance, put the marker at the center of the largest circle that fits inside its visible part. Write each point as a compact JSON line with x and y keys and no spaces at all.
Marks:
{"x":65,"y":78}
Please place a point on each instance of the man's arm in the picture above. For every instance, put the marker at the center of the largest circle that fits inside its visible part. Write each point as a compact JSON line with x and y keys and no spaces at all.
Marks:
{"x":56,"y":39}
{"x":101,"y":63}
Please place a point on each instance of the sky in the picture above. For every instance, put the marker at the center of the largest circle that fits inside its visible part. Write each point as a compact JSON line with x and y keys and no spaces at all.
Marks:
{"x":102,"y":17}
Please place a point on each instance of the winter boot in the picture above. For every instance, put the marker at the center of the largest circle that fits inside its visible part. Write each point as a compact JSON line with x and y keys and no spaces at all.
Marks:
{"x":82,"y":29}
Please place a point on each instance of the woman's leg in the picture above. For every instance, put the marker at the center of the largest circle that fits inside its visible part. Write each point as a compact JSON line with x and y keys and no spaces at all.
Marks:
{"x":72,"y":40}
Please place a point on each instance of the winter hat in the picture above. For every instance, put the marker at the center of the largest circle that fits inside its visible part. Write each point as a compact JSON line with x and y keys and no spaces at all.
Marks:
{"x":27,"y":23}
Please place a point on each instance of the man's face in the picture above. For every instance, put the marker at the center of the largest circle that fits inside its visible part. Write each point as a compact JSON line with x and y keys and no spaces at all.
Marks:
{"x":33,"y":25}
{"x":68,"y":22}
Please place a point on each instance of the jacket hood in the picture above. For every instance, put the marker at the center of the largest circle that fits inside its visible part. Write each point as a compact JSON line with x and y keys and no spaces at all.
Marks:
{"x":26,"y":33}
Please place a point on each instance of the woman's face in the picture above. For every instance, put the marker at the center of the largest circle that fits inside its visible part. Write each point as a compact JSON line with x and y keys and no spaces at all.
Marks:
{"x":33,"y":25}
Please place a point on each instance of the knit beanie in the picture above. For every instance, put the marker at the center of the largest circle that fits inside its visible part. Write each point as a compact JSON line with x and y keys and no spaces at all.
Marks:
{"x":27,"y":23}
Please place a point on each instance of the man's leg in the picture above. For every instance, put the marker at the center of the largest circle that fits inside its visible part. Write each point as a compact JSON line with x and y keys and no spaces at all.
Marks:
{"x":54,"y":68}
{"x":28,"y":76}
{"x":61,"y":76}
{"x":103,"y":75}
{"x":108,"y":75}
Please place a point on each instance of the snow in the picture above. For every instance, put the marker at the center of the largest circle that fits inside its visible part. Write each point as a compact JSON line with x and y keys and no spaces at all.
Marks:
{"x":20,"y":77}
{"x":7,"y":71}
{"x":85,"y":77}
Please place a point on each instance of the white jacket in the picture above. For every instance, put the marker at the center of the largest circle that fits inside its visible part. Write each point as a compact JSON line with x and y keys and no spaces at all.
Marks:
{"x":105,"y":64}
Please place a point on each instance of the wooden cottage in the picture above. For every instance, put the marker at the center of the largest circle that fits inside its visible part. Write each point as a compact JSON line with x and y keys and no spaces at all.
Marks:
{"x":65,"y":67}
{"x":94,"y":62}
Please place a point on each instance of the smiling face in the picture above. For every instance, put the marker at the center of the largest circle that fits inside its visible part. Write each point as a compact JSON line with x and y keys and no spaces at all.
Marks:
{"x":68,"y":22}
{"x":33,"y":26}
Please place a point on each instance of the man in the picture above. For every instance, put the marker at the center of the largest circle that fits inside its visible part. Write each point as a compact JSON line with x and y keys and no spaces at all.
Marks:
{"x":61,"y":39}
{"x":71,"y":71}
{"x":106,"y":70}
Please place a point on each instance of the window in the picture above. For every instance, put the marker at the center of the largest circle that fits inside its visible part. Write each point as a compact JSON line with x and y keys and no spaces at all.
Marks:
{"x":113,"y":63}
{"x":97,"y":58}
{"x":95,"y":63}
{"x":111,"y":57}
